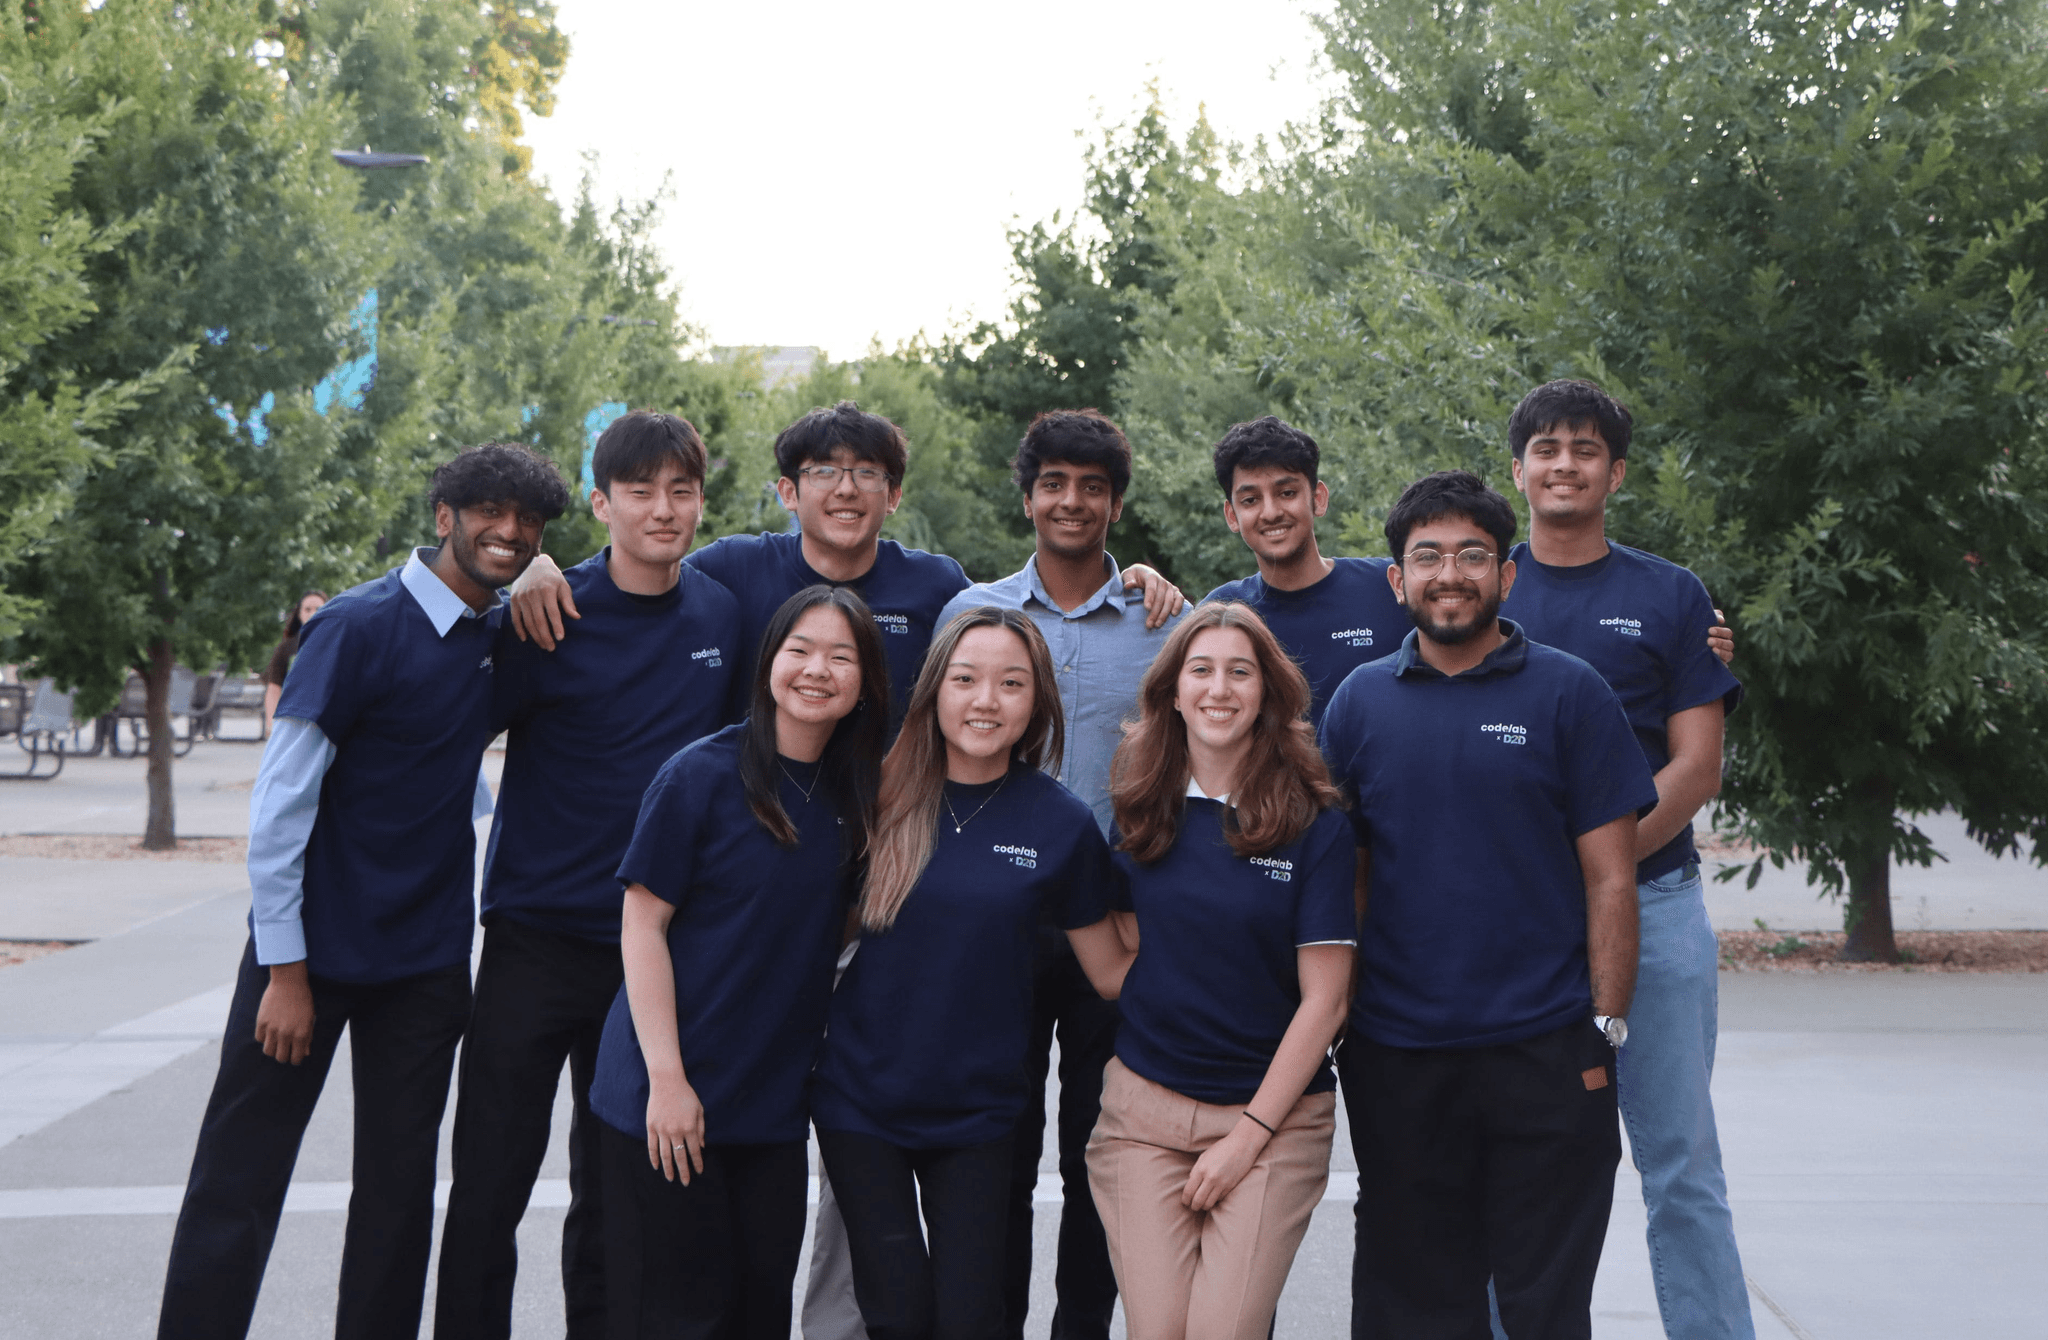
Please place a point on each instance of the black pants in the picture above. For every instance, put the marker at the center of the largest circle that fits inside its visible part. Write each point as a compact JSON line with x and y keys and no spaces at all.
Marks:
{"x":1492,"y":1161}
{"x":1085,"y":1287}
{"x":951,"y":1290}
{"x":541,"y":998}
{"x":714,"y":1260}
{"x":402,"y":1038}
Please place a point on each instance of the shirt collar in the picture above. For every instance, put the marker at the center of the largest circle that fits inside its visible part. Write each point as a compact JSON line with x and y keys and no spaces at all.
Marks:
{"x":1505,"y":659}
{"x":1195,"y":792}
{"x":442,"y":606}
{"x":1111,"y":592}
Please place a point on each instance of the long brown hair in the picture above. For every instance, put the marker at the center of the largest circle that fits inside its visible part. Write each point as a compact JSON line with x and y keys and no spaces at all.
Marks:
{"x":848,"y":767}
{"x":1284,"y":783}
{"x":914,"y":773}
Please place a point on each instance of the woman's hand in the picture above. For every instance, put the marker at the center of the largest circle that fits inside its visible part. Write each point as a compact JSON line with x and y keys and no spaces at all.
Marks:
{"x":1223,"y":1165}
{"x":675,"y":1129}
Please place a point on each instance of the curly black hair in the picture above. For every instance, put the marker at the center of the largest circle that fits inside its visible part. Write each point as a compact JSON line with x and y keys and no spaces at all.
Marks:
{"x":501,"y":472}
{"x":1266,"y":442}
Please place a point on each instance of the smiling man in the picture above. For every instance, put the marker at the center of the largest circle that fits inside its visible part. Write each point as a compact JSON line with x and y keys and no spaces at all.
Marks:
{"x":1495,"y":789}
{"x":1073,"y":467}
{"x":841,"y":476}
{"x":1636,"y":619}
{"x":361,"y":865}
{"x":590,"y":723}
{"x":1331,"y":614}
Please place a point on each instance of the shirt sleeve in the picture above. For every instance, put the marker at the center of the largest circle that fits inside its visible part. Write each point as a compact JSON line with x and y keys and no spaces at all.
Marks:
{"x":1338,"y":741}
{"x":662,"y":855}
{"x":333,"y":677}
{"x":282,"y":807}
{"x":1697,"y":676}
{"x":1120,"y":874}
{"x":1089,"y":879}
{"x":1325,"y":910}
{"x":1605,"y":771}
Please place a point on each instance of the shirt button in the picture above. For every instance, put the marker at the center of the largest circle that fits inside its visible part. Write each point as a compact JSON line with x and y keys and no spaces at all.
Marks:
{"x":1066,"y":669}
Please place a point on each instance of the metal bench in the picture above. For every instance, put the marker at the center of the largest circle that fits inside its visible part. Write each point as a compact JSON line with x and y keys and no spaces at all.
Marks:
{"x":241,"y":695}
{"x":134,"y":710}
{"x":40,"y":721}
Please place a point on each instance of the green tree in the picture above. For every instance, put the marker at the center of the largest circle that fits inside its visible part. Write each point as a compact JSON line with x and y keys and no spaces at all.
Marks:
{"x":229,"y":260}
{"x":1801,"y":241}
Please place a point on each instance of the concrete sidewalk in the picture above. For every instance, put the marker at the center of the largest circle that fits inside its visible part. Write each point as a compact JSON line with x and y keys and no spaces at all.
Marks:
{"x":1883,"y":1131}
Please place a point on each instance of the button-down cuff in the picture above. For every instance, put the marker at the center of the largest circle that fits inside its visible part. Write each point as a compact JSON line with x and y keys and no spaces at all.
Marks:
{"x":280,"y":941}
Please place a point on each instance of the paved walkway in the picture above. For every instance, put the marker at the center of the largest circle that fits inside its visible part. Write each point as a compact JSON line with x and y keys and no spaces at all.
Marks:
{"x":1882,"y":1131}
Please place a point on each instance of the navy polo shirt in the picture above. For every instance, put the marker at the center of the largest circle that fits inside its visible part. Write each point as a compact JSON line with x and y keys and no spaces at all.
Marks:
{"x":906,"y":589}
{"x":754,"y":939}
{"x":931,"y":1024}
{"x":1331,"y":628}
{"x":391,"y":863}
{"x":1470,"y":792}
{"x":1216,"y":983}
{"x":590,"y":723}
{"x":1642,"y":622}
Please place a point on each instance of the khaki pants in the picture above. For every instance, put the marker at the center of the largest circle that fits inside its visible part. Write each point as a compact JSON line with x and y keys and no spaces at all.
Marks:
{"x":1186,"y":1275}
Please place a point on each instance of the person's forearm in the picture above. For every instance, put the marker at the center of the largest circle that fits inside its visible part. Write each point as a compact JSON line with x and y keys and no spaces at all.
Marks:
{"x":1611,"y":942}
{"x":1324,"y":1003}
{"x":283,"y":805}
{"x":651,"y":994}
{"x":1684,"y":786}
{"x":1103,"y":955}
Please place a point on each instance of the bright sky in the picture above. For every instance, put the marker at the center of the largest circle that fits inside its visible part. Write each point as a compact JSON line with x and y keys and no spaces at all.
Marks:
{"x":842,"y":171}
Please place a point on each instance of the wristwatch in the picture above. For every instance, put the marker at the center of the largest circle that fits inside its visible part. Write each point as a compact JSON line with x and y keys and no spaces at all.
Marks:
{"x":1614,"y":1026}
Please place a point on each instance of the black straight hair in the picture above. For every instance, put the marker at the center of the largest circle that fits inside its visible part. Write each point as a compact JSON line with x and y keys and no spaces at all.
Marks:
{"x":851,"y":768}
{"x":1450,"y":493}
{"x":1574,"y":403}
{"x":1265,"y":443}
{"x":1077,"y":437}
{"x":636,"y":446}
{"x":870,"y":437}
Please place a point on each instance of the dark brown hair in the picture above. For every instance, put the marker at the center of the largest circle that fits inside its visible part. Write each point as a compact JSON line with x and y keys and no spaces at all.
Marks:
{"x":1285,"y":783}
{"x":914,"y":773}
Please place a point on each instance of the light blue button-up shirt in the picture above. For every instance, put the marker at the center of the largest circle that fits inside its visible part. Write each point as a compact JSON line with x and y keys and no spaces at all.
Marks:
{"x":1100,"y":651}
{"x":286,"y":797}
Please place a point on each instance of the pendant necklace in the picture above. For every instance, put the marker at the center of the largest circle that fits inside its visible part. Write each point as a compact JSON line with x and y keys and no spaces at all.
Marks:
{"x":960,"y":823}
{"x":797,"y":784}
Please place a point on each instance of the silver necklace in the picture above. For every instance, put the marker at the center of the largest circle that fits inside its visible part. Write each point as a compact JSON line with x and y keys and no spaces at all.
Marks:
{"x":797,"y":784}
{"x":960,"y":823}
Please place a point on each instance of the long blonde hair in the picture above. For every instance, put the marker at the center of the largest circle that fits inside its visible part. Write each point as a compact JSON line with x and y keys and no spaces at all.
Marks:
{"x":914,"y":773}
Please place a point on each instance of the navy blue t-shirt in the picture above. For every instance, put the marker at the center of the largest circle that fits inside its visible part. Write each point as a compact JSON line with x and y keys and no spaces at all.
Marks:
{"x":1331,"y":628}
{"x":1470,"y":792}
{"x":754,"y":940}
{"x":906,"y":589}
{"x":1642,"y":623}
{"x":1216,"y":982}
{"x":391,"y":862}
{"x":932,"y":1021}
{"x":590,"y":723}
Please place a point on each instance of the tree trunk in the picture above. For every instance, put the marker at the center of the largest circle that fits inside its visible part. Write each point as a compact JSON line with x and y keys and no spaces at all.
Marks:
{"x":161,"y":834}
{"x":1867,"y":920}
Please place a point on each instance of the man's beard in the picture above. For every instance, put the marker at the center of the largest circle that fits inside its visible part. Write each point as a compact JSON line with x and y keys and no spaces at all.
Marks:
{"x":463,"y":545}
{"x":1449,"y":635}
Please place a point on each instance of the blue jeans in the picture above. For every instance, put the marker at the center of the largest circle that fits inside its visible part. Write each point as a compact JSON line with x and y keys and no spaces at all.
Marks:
{"x":1661,"y":1077}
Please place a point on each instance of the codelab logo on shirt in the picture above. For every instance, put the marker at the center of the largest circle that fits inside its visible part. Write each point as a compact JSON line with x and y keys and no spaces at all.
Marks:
{"x":1027,"y":857}
{"x":710,"y":656}
{"x":1275,"y":868}
{"x":1357,"y":637}
{"x":1507,"y":734}
{"x":1625,"y":627}
{"x":894,"y":623}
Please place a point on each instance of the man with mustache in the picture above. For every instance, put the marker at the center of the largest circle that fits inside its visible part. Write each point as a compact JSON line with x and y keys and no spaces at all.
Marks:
{"x":1496,"y":787}
{"x":361,"y":867}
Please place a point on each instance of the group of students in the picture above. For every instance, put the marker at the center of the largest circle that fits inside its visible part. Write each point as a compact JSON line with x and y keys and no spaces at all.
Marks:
{"x":804,"y":831}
